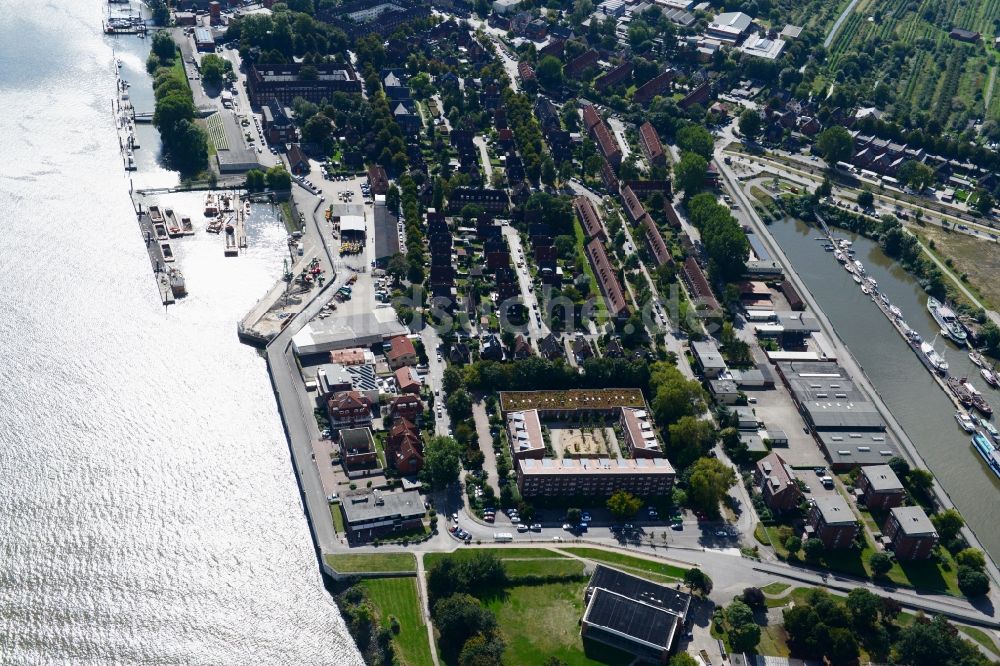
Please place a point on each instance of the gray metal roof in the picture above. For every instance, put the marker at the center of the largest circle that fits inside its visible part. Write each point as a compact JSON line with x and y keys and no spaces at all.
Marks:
{"x":913,"y":521}
{"x":382,"y":506}
{"x":881,"y":477}
{"x":835,"y":510}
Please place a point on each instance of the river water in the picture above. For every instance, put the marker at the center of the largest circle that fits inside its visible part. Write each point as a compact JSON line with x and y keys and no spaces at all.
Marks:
{"x":150,"y":513}
{"x":905,"y":385}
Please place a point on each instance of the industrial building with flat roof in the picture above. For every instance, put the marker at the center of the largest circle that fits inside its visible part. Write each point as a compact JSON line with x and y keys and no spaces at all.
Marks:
{"x":729,"y":27}
{"x":633,"y":614}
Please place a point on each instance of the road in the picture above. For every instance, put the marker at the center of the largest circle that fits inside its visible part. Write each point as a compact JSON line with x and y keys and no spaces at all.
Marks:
{"x":485,"y":437}
{"x":618,"y":127}
{"x":536,"y":328}
{"x":747,"y":215}
{"x":836,"y":26}
{"x":435,"y":377}
{"x":484,"y":155}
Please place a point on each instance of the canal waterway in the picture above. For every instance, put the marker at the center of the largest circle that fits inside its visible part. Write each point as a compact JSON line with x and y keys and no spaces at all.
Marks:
{"x":916,"y":400}
{"x":150,"y":513}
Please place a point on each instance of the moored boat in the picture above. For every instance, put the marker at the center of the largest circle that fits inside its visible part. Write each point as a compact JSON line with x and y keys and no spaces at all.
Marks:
{"x":977,"y":358}
{"x":965,"y":421}
{"x":989,"y":377}
{"x":177,"y":285}
{"x":857,"y":278}
{"x":946,"y":319}
{"x":865,"y":290}
{"x":990,"y":429}
{"x":895,"y":312}
{"x":937,"y":363}
{"x":987,"y":451}
{"x":211,"y":205}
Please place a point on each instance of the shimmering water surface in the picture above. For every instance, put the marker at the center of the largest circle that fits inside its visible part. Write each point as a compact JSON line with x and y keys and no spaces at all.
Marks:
{"x":149,"y":511}
{"x":917,"y":402}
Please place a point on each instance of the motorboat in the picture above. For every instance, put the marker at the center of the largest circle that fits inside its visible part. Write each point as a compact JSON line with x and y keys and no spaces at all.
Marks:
{"x":987,"y":451}
{"x":859,"y":267}
{"x":839,"y":256}
{"x":965,"y":421}
{"x":937,"y":363}
{"x":895,"y":312}
{"x":865,"y":290}
{"x":989,"y":377}
{"x":977,"y":359}
{"x":990,"y":429}
{"x":857,"y":278}
{"x":946,"y":319}
{"x":177,"y":285}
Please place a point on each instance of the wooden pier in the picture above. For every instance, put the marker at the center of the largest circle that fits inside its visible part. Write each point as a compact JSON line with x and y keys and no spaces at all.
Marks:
{"x":235,"y":232}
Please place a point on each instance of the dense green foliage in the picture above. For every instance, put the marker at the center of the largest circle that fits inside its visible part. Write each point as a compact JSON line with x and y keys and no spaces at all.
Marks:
{"x":623,"y":504}
{"x":185,"y":145}
{"x":725,"y":242}
{"x":709,"y":481}
{"x":442,"y":462}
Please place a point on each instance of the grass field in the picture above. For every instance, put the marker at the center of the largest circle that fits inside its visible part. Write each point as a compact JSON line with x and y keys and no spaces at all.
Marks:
{"x":639,"y":565}
{"x":502,"y":553}
{"x":362,"y":562}
{"x":397,"y":597}
{"x":546,"y":567}
{"x":338,"y":518}
{"x":539,"y":621}
{"x":775,"y":588}
{"x":981,"y":637}
{"x":979,"y":259}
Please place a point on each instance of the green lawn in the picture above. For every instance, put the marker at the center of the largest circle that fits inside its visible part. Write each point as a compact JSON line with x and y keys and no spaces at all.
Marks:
{"x":542,"y":621}
{"x":398,"y":597}
{"x":361,"y":562}
{"x":502,"y":553}
{"x":581,"y":243}
{"x":981,"y":637}
{"x":545,"y":567}
{"x":775,"y":588}
{"x":627,"y":561}
{"x":338,"y":518}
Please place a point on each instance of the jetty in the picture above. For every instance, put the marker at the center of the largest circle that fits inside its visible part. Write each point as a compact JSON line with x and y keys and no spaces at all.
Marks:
{"x":235,"y":235}
{"x":157,"y":259}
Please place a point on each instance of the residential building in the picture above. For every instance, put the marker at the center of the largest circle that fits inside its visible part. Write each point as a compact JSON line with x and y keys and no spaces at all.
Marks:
{"x":911,"y":532}
{"x":489,"y":200}
{"x":616,"y":75}
{"x":598,"y":477}
{"x":364,"y":18}
{"x":357,"y":449}
{"x":282,"y":82}
{"x":589,"y":219}
{"x":525,"y":432}
{"x":708,"y":360}
{"x":578,"y":65}
{"x":276,"y":125}
{"x":649,"y":141}
{"x":400,"y":352}
{"x":298,"y":163}
{"x":377,"y":179}
{"x":657,"y":246}
{"x":633,"y":614}
{"x":880,"y":487}
{"x":964,"y":35}
{"x":832,"y":521}
{"x":404,"y":449}
{"x":774,"y":478}
{"x":406,"y":407}
{"x":639,"y":434}
{"x":607,"y":278}
{"x":701,"y":290}
{"x":407,"y":380}
{"x":348,"y":409}
{"x":373,"y":514}
{"x":633,"y":207}
{"x":658,"y":85}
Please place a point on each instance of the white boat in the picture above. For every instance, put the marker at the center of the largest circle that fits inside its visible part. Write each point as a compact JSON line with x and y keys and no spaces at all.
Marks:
{"x":839,"y":256}
{"x":947,"y":320}
{"x":965,"y":421}
{"x":849,"y":267}
{"x":990,"y":428}
{"x":989,"y":377}
{"x":857,"y":279}
{"x":859,"y":267}
{"x":895,"y":312}
{"x":865,"y":289}
{"x":933,"y":358}
{"x":129,"y":161}
{"x":977,"y":359}
{"x":874,"y":283}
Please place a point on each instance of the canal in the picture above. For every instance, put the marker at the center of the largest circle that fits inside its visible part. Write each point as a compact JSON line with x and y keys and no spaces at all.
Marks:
{"x":916,"y":400}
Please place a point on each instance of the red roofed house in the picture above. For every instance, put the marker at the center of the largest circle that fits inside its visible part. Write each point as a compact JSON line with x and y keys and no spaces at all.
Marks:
{"x":406,"y":406}
{"x":649,"y":141}
{"x":407,"y":380}
{"x":776,"y":484}
{"x":404,"y":450}
{"x":348,"y":409}
{"x":401,"y":352}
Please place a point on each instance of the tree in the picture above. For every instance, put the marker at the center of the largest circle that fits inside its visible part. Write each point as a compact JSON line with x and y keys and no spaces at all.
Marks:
{"x":864,"y":607}
{"x":865,"y":199}
{"x":750,"y":124}
{"x":744,"y":633}
{"x":690,"y":438}
{"x":188,"y":147}
{"x":163,"y":45}
{"x":948,"y":524}
{"x":842,"y":647}
{"x":459,"y":405}
{"x":548,"y":171}
{"x":460,"y":617}
{"x":984,"y":202}
{"x":835,"y":145}
{"x":689,"y":174}
{"x":683,"y":659}
{"x":623,"y":504}
{"x":317,"y":129}
{"x":899,"y":466}
{"x":813,"y":549}
{"x":696,"y":139}
{"x":549,"y":72}
{"x":793,"y":544}
{"x":574,"y":516}
{"x":916,"y":174}
{"x":451,"y":380}
{"x":920,"y":480}
{"x":880,"y":563}
{"x":255,"y":180}
{"x":698,"y":581}
{"x":278,"y":178}
{"x":935,"y":643}
{"x":442,"y":462}
{"x":481,"y":650}
{"x":971,"y":557}
{"x":754,"y":597}
{"x":213,"y":69}
{"x":709,"y":481}
{"x":973,"y":582}
{"x":673,"y":394}
{"x":397,"y":266}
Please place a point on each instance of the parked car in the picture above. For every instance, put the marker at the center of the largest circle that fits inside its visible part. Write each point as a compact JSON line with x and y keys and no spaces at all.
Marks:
{"x":537,"y":527}
{"x":522,"y":528}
